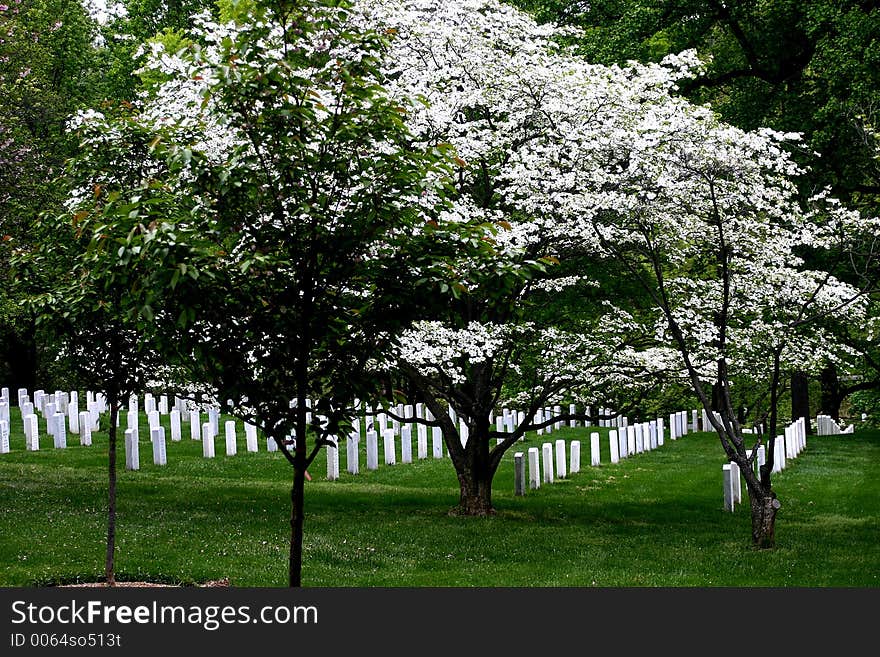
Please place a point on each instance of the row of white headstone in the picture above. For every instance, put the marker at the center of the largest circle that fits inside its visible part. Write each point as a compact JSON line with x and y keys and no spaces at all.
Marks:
{"x":205,"y":432}
{"x":785,"y":448}
{"x":549,"y":464}
{"x":828,"y":426}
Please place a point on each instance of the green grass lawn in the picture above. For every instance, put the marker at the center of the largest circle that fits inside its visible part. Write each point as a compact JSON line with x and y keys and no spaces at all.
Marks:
{"x":654,"y":519}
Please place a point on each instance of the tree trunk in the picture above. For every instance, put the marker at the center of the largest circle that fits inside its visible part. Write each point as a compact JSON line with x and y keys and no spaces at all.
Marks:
{"x":22,"y":358}
{"x":475,"y":498}
{"x":109,"y":563}
{"x":831,"y":397}
{"x":297,"y":491}
{"x":764,"y":508}
{"x":800,"y":396}
{"x":476,"y":471}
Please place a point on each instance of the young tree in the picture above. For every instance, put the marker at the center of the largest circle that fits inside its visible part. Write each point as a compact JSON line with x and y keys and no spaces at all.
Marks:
{"x":308,"y":207}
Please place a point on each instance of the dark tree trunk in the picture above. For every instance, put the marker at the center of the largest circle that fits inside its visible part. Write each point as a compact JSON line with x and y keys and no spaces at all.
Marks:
{"x":764,"y":508}
{"x":475,"y":497}
{"x":109,"y":563}
{"x":717,"y":397}
{"x":297,"y":491}
{"x":831,"y":396}
{"x":800,"y":396}
{"x":475,"y":473}
{"x":22,"y":358}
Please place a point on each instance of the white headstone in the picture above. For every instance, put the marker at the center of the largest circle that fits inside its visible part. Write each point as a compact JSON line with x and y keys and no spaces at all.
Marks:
{"x":389,"y":447}
{"x":463,"y":432}
{"x":132,"y":451}
{"x":422,"y":441}
{"x":660,"y":431}
{"x":250,"y":435}
{"x":630,"y":440}
{"x":157,"y":436}
{"x":60,"y":425}
{"x":153,"y":417}
{"x":574,"y":457}
{"x":612,"y":444}
{"x":163,"y":405}
{"x":737,"y":482}
{"x":195,"y":426}
{"x":406,"y":443}
{"x":728,"y":487}
{"x":175,"y":425}
{"x":639,"y":438}
{"x":571,"y":411}
{"x":534,"y":469}
{"x":4,"y":437}
{"x":372,"y":450}
{"x":85,"y":429}
{"x":352,"y":456}
{"x":207,"y":441}
{"x":547,"y":462}
{"x":332,"y":452}
{"x":231,"y":443}
{"x":437,"y":442}
{"x":560,"y":459}
{"x":32,"y":431}
{"x":73,"y":417}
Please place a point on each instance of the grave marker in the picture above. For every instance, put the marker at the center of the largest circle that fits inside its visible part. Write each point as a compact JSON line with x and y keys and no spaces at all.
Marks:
{"x":4,"y":437}
{"x":195,"y":426}
{"x":207,"y":441}
{"x":612,"y":444}
{"x":85,"y":429}
{"x":437,"y":442}
{"x":534,"y":469}
{"x":728,"y":487}
{"x":575,"y":457}
{"x":547,"y":461}
{"x":175,"y":425}
{"x":519,"y":474}
{"x":332,"y":451}
{"x":388,"y":446}
{"x":132,"y":451}
{"x":250,"y":436}
{"x":60,"y":431}
{"x":406,"y":443}
{"x":372,"y":450}
{"x":560,"y":459}
{"x":231,"y":443}
{"x":157,"y":437}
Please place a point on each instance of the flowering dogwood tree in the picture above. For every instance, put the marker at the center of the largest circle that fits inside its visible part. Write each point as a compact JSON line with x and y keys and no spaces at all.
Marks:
{"x":707,"y":218}
{"x":494,"y":82}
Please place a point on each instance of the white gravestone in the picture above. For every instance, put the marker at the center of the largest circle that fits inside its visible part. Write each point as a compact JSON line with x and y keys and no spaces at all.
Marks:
{"x":85,"y":429}
{"x":737,"y":482}
{"x":422,"y":441}
{"x":612,"y":444}
{"x":372,"y":450}
{"x":153,"y":417}
{"x":406,"y":443}
{"x":332,"y":459}
{"x":132,"y":451}
{"x":231,"y":443}
{"x":547,"y":462}
{"x":60,"y":424}
{"x":630,"y":440}
{"x":73,"y":417}
{"x":595,"y":457}
{"x":437,"y":442}
{"x":250,"y":435}
{"x":352,"y":456}
{"x":623,"y":442}
{"x":157,"y":436}
{"x":175,"y":425}
{"x":727,"y":480}
{"x":463,"y":432}
{"x":660,"y":430}
{"x":163,"y":405}
{"x":207,"y":441}
{"x":639,"y":438}
{"x":560,"y":459}
{"x":32,"y":424}
{"x":195,"y":426}
{"x":4,"y":437}
{"x":574,"y":462}
{"x":389,"y":447}
{"x":534,"y":469}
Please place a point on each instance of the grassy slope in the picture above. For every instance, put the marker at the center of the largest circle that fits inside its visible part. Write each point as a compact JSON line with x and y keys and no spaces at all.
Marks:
{"x":655,"y":519}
